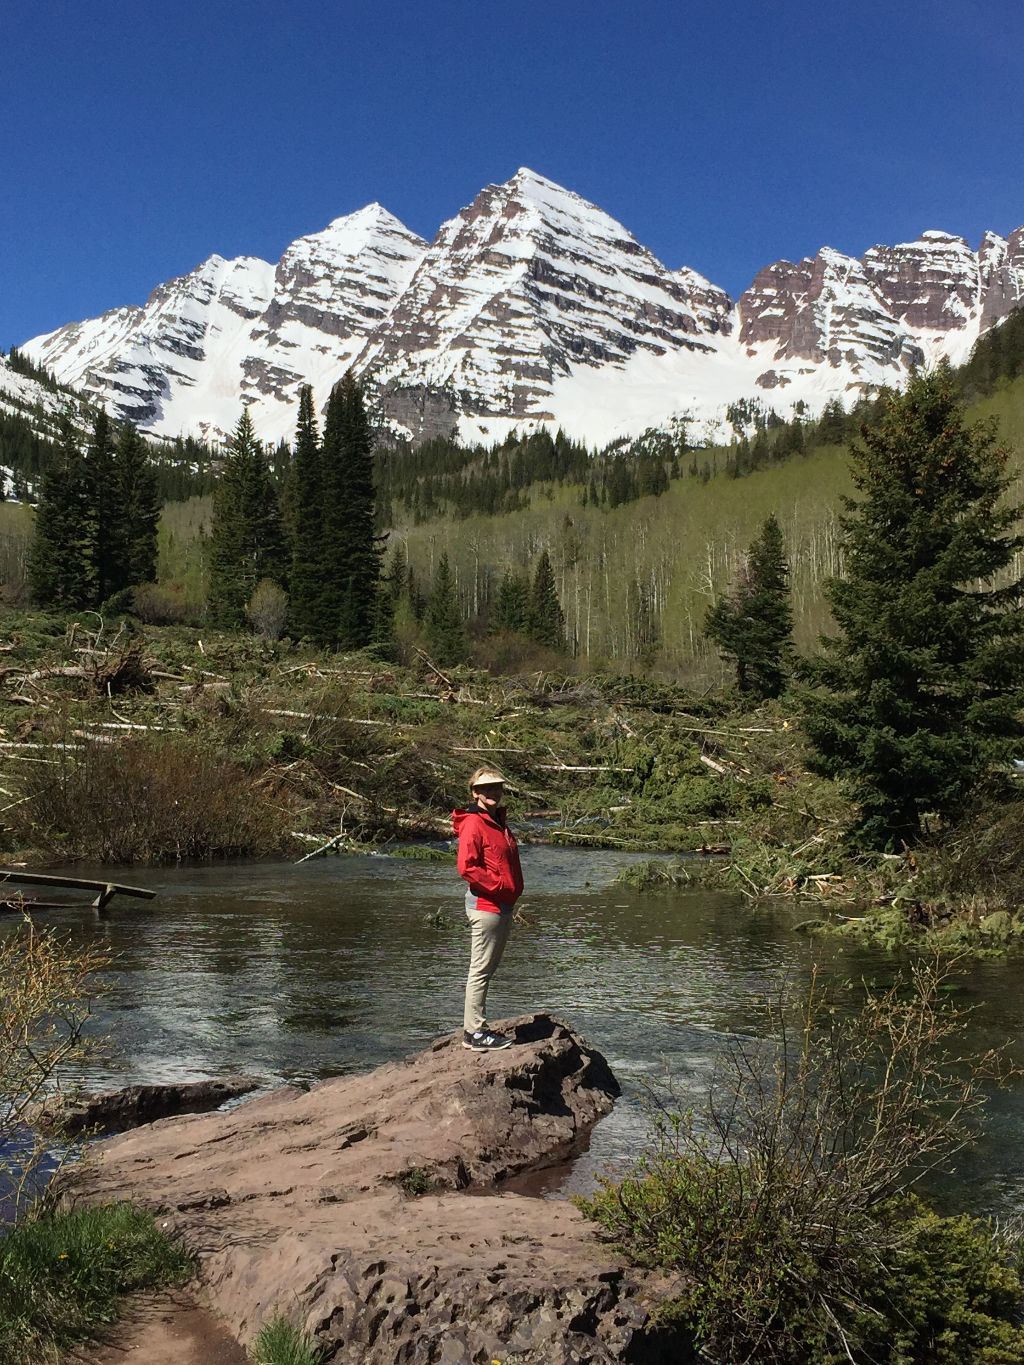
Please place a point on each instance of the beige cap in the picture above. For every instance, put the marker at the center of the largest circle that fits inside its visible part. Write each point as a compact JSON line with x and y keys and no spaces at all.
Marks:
{"x":485,"y":777}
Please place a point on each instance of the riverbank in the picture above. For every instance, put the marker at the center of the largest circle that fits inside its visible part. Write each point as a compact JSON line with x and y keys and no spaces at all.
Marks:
{"x":126,"y":744}
{"x":144,"y":745}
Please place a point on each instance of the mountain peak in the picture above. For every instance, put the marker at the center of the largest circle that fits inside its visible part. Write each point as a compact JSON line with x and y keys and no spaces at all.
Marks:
{"x":352,"y":233}
{"x":531,"y":305}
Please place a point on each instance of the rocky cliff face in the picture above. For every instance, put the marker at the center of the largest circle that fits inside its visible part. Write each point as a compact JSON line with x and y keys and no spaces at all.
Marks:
{"x":823,"y":311}
{"x":530,"y":306}
{"x":331,"y":291}
{"x":241,"y":331}
{"x":527,"y":282}
{"x":1002,"y":276}
{"x":933,"y":284}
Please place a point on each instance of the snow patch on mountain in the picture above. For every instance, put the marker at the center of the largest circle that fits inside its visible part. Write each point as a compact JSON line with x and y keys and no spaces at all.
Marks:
{"x":531,"y":306}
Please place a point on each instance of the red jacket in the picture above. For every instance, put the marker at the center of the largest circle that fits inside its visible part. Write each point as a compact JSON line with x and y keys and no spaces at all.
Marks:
{"x":488,"y":859}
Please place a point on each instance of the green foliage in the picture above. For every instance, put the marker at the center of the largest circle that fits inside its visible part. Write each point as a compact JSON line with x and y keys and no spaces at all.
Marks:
{"x":279,"y":1342}
{"x":247,"y":538}
{"x":62,"y":571}
{"x":96,"y":522}
{"x":109,"y":548}
{"x":347,"y":612}
{"x":139,"y":509}
{"x":267,"y":609}
{"x":785,"y":1216}
{"x":512,"y":607}
{"x":920,"y":691}
{"x":545,"y":622}
{"x":753,"y":625}
{"x":416,"y":1181}
{"x":998,"y":356}
{"x":307,"y":513}
{"x":445,"y":631}
{"x":62,"y":1275}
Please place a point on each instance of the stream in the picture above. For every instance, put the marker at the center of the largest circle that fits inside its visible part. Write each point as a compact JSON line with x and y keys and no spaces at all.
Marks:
{"x":299,"y":972}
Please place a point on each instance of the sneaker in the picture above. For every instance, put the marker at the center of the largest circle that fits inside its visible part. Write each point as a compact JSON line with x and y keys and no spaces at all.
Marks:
{"x":485,"y":1040}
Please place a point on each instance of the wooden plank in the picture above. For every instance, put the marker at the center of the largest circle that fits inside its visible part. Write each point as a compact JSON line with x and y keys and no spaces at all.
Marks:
{"x":75,"y":883}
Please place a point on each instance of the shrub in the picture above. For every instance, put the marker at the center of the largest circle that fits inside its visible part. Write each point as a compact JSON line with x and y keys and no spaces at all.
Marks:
{"x":147,"y":799}
{"x":267,"y":609}
{"x":786,"y":1212}
{"x":160,"y":604}
{"x":47,"y":991}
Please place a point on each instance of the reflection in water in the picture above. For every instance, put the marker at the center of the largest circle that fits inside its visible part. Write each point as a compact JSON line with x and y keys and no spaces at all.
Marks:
{"x":298,"y":973}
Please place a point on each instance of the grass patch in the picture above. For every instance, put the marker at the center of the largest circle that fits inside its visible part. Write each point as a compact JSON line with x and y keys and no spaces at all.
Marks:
{"x":62,"y":1276}
{"x":281,"y":1343}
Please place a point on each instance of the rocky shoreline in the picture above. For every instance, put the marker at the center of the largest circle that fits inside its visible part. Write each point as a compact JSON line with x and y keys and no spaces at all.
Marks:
{"x":370,"y":1210}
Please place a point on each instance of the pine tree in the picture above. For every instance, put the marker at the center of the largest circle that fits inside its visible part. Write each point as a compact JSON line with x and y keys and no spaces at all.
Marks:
{"x":753,"y":625}
{"x":305,"y":583}
{"x":445,"y":631}
{"x":547,"y":623}
{"x":62,"y":570}
{"x":109,"y":531}
{"x":512,"y":607}
{"x":923,"y":685}
{"x":247,"y":541}
{"x":350,"y":549}
{"x":139,"y":508}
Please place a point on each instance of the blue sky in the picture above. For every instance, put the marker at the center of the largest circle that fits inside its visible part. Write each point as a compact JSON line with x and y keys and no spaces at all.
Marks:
{"x":139,"y":138}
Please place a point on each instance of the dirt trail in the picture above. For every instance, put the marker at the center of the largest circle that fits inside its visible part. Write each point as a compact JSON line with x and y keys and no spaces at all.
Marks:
{"x":165,"y":1329}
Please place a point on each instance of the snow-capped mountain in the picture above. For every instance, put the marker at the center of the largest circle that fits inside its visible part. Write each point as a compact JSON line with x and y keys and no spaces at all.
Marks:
{"x":530,"y":306}
{"x":241,"y":331}
{"x":527,"y":283}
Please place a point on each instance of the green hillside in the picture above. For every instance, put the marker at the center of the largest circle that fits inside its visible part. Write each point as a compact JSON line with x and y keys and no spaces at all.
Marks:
{"x":635,"y":570}
{"x":634,"y":580}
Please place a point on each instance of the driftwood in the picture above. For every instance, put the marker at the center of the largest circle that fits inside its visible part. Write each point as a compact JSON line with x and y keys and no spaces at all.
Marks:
{"x":321,"y":848}
{"x":34,"y":744}
{"x":482,"y":749}
{"x":582,"y":768}
{"x":435,"y":670}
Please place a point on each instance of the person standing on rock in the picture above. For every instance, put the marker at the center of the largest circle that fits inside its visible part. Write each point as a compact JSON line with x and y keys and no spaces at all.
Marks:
{"x":489,"y":864}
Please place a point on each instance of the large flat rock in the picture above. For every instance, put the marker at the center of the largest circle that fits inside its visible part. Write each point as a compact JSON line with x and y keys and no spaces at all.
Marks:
{"x":369,"y":1209}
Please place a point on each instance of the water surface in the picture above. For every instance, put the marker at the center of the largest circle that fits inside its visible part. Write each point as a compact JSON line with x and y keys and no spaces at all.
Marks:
{"x":296,"y":973}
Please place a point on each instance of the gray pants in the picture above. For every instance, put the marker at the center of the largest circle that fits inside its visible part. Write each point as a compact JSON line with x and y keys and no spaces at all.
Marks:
{"x":488,"y":935}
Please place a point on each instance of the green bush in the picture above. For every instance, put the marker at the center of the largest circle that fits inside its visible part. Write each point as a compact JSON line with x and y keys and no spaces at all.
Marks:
{"x":786,"y":1216}
{"x":61,"y":1275}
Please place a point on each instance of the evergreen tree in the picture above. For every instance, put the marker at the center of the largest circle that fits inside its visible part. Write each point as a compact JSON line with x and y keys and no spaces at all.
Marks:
{"x":109,"y":531}
{"x":305,"y":582}
{"x":753,"y":625}
{"x":512,"y":607}
{"x":395,"y":580}
{"x":445,"y":631}
{"x":62,"y":570}
{"x":924,"y":683}
{"x":547,"y":623}
{"x":139,"y":509}
{"x":246,"y":539}
{"x":350,"y":550}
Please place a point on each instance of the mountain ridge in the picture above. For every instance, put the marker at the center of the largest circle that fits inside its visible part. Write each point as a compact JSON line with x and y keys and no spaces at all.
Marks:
{"x":531,"y":306}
